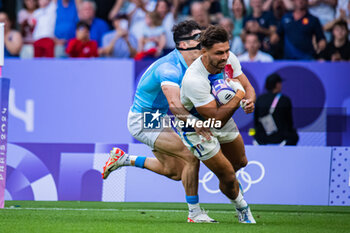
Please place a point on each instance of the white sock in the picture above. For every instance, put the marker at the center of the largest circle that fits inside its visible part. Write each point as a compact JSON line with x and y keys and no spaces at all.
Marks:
{"x":239,"y":202}
{"x":128,"y":160}
{"x":193,"y":209}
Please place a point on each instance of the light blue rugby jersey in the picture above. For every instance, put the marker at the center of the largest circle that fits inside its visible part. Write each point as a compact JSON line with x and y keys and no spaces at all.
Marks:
{"x":167,"y":70}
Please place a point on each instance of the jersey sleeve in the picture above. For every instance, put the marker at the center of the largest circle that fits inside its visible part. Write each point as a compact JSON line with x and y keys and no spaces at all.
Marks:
{"x":197,"y":91}
{"x":236,"y":65}
{"x":168,"y":74}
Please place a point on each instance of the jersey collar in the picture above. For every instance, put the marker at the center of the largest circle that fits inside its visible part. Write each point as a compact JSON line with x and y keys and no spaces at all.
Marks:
{"x":182,"y":60}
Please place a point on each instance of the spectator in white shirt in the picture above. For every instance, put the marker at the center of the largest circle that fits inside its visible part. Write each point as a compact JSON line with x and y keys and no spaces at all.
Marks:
{"x":253,"y":54}
{"x":323,"y":9}
{"x":44,"y":31}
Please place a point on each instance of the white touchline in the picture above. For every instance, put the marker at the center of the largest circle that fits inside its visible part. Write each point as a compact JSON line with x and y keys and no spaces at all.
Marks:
{"x":126,"y":210}
{"x":167,"y":211}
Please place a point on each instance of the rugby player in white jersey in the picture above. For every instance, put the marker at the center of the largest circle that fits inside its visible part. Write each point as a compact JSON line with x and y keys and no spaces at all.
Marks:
{"x":224,"y":153}
{"x":158,"y":91}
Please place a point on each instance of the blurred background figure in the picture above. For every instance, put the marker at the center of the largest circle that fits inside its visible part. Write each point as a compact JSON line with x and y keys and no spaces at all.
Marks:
{"x":258,"y":22}
{"x":153,"y":38}
{"x":200,"y":14}
{"x":254,"y":54}
{"x":13,"y":39}
{"x":26,"y":22}
{"x":82,"y":45}
{"x":323,"y":9}
{"x":168,"y":14}
{"x":276,"y":6}
{"x":213,"y":7}
{"x":236,"y":44}
{"x":276,"y":10}
{"x":343,"y":7}
{"x":43,"y":35}
{"x":119,"y":43}
{"x":239,"y":12}
{"x":342,"y":13}
{"x":339,"y":48}
{"x":66,"y":21}
{"x":98,"y":27}
{"x":297,"y":30}
{"x":273,"y":120}
{"x":136,"y":11}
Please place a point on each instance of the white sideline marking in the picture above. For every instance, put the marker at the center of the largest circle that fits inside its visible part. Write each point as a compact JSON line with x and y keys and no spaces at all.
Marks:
{"x":166,"y":211}
{"x":85,"y":209}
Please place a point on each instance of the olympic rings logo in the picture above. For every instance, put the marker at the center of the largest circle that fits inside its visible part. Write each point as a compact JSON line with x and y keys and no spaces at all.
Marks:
{"x":245,"y":176}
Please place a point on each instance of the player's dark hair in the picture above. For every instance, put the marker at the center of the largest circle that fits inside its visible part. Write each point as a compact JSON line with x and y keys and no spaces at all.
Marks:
{"x":83,"y":24}
{"x":184,"y":29}
{"x":212,"y":35}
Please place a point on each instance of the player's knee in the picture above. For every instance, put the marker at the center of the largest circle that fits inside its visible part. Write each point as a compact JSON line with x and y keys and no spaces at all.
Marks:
{"x":174,"y":176}
{"x":227,"y":177}
{"x":192,"y":160}
{"x":173,"y":173}
{"x":227,"y":183}
{"x":188,"y":157}
{"x":242,"y":163}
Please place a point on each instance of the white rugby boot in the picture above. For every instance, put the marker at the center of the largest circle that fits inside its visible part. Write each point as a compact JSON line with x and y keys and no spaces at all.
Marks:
{"x":245,"y":215}
{"x":201,"y":217}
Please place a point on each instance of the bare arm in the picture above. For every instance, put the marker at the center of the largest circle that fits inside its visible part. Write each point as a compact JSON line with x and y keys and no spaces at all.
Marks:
{"x":332,"y":3}
{"x":274,"y":38}
{"x":132,"y":50}
{"x":250,"y":92}
{"x":141,"y":44}
{"x":222,"y":113}
{"x":267,"y":5}
{"x":328,"y":26}
{"x":314,"y":2}
{"x":175,"y":8}
{"x":115,"y":10}
{"x":172,"y":94}
{"x":108,"y":49}
{"x":321,"y":45}
{"x":265,"y":31}
{"x":161,"y":42}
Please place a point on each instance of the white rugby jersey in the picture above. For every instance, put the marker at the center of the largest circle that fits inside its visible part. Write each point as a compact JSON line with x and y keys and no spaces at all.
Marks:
{"x":196,"y":88}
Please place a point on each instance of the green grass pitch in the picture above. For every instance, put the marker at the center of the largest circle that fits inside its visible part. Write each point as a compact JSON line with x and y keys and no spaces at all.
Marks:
{"x":98,"y":217}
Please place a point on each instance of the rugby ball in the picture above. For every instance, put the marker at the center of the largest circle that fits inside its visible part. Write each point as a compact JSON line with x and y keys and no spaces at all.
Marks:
{"x":222,"y":92}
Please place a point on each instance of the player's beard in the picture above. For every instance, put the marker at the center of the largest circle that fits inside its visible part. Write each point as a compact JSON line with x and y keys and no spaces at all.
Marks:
{"x":220,"y":65}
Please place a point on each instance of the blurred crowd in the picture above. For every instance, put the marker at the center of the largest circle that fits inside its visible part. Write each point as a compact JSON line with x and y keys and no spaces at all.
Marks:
{"x":260,"y":30}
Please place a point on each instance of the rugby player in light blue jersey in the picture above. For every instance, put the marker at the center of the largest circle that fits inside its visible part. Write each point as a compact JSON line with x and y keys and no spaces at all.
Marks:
{"x":157,"y":91}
